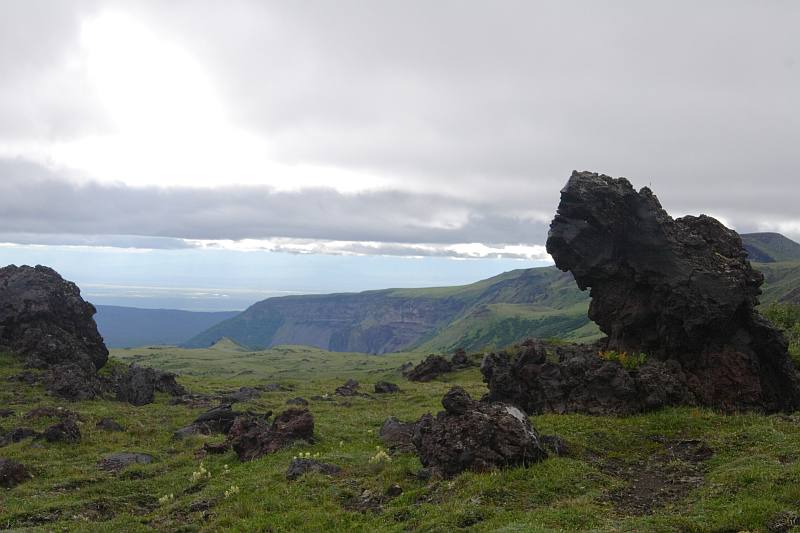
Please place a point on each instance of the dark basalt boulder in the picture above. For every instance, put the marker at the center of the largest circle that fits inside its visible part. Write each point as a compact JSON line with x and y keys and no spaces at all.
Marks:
{"x":384,"y":387}
{"x":137,"y":385}
{"x":430,"y":368}
{"x":17,"y":435}
{"x":65,"y":431}
{"x":12,"y":473}
{"x":252,"y":437}
{"x":460,"y":359}
{"x":580,"y":381}
{"x":680,"y":291}
{"x":116,"y":462}
{"x":109,"y":424}
{"x":470,"y":435}
{"x":45,"y":321}
{"x":398,"y":436}
{"x":300,"y":466}
{"x":297,"y":401}
{"x":350,"y":388}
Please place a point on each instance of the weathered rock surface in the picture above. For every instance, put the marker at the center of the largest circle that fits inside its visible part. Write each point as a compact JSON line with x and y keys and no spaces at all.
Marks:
{"x":680,"y":291}
{"x":65,"y":431}
{"x":385,"y":387}
{"x":109,"y":424}
{"x":118,"y":461}
{"x":350,"y":388}
{"x":44,"y":320}
{"x":219,"y":419}
{"x":297,"y":401}
{"x":252,"y":437}
{"x":398,"y":436}
{"x":138,"y":385}
{"x":579,"y":381}
{"x":460,"y":359}
{"x":16,"y":435}
{"x":470,"y":435}
{"x":431,"y":367}
{"x":12,"y":473}
{"x":299,"y":467}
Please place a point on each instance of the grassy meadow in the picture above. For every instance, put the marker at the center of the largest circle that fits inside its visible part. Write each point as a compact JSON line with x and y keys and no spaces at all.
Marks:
{"x":622,"y":474}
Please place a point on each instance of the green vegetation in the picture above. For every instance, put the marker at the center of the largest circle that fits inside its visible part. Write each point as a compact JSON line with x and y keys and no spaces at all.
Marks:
{"x":751,"y":481}
{"x":787,"y":317}
{"x":770,"y":247}
{"x":629,"y":361}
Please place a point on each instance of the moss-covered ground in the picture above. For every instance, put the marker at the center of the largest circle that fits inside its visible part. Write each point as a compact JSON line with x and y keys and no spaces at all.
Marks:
{"x":751,"y":482}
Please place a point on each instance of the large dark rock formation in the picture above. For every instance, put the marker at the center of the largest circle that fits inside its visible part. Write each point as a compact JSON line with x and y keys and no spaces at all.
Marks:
{"x":679,"y":290}
{"x":252,"y":437}
{"x":44,"y":320}
{"x":470,"y":435}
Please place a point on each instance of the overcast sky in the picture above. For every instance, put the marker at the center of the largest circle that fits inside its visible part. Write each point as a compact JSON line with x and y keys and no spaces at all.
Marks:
{"x":404,"y":128}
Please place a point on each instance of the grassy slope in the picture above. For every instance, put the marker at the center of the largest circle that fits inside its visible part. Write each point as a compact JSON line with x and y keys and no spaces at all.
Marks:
{"x":753,"y":476}
{"x":770,"y":247}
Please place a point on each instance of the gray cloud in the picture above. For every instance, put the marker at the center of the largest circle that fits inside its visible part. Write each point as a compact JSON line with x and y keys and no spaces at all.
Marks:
{"x":34,"y":200}
{"x":478,"y":110}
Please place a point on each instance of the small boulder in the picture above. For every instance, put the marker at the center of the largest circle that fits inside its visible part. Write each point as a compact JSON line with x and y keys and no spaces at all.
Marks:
{"x":299,"y":467}
{"x":397,"y":435}
{"x":470,"y":435}
{"x":109,"y":424}
{"x":297,"y":401}
{"x":138,"y":385}
{"x":244,"y":394}
{"x":118,"y":461}
{"x":5,"y":413}
{"x":384,"y":387}
{"x":17,"y":434}
{"x":12,"y":473}
{"x":51,"y":412}
{"x":430,"y":368}
{"x":350,"y":388}
{"x":65,"y":431}
{"x":252,"y":437}
{"x":460,"y":359}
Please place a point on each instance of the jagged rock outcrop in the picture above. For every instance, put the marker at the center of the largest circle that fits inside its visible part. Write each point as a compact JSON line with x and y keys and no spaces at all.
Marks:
{"x":44,"y":320}
{"x":398,"y":436}
{"x":429,"y":368}
{"x":680,"y":291}
{"x":577,"y":380}
{"x":302,"y":466}
{"x":252,"y":437}
{"x":479,"y":436}
{"x":137,"y":385}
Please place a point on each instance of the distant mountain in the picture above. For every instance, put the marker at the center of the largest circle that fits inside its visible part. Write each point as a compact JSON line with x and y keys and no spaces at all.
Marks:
{"x":496,"y":312}
{"x":127,"y":327}
{"x":770,"y":247}
{"x":540,"y":301}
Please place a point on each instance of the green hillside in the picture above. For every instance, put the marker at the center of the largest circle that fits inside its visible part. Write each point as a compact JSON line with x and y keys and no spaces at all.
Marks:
{"x":770,"y":247}
{"x":492,"y":313}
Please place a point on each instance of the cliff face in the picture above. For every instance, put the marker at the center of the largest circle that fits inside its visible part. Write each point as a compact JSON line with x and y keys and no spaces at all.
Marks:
{"x":498,"y":310}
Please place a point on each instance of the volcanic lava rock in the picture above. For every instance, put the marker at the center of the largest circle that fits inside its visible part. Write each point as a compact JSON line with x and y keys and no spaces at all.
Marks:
{"x":16,"y":435}
{"x":384,"y":387}
{"x":470,"y":435}
{"x":44,"y":320}
{"x":581,"y":381}
{"x":300,"y":466}
{"x":350,"y":388}
{"x":220,"y":419}
{"x":299,"y":400}
{"x":12,"y":473}
{"x":460,"y":359}
{"x":65,"y":431}
{"x":118,"y":461}
{"x":680,"y":291}
{"x":137,"y":385}
{"x":398,"y":436}
{"x":430,"y":368}
{"x":109,"y":424}
{"x":252,"y":437}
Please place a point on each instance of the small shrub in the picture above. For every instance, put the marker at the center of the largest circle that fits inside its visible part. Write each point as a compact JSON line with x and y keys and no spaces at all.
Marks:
{"x":629,"y":361}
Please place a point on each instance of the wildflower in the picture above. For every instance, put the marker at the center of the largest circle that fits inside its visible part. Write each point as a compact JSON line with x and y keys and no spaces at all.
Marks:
{"x":165,"y":499}
{"x":232,"y":491}
{"x":200,"y":474}
{"x":380,"y":456}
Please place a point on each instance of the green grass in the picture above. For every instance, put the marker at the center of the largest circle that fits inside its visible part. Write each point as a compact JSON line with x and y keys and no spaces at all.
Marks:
{"x":753,"y":476}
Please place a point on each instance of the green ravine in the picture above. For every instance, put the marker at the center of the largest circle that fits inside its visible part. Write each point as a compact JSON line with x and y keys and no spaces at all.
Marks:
{"x":752,"y":480}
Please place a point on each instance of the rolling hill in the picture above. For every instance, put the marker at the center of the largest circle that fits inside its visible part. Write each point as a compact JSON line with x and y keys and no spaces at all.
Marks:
{"x":126,"y":327}
{"x":492,"y":313}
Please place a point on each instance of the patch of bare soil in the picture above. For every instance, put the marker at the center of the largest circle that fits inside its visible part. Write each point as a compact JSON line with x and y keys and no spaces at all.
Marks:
{"x":665,"y":477}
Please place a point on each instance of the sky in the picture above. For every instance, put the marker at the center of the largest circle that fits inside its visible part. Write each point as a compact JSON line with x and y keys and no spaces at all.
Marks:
{"x":203,"y":155}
